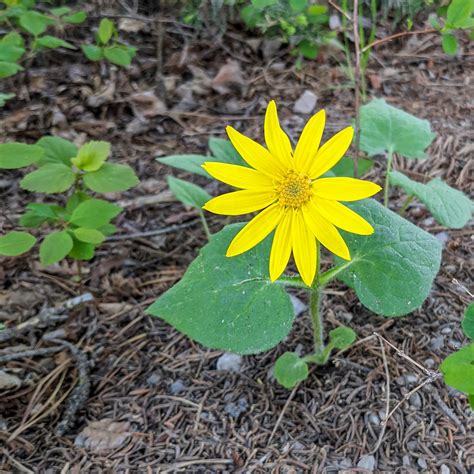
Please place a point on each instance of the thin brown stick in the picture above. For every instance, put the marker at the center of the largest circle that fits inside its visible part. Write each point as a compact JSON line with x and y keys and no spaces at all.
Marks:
{"x":397,"y":35}
{"x":30,"y":353}
{"x":339,"y":9}
{"x":355,"y":26}
{"x":277,"y":424}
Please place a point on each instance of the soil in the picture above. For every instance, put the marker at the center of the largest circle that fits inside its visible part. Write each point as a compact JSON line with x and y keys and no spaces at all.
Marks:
{"x":157,"y":402}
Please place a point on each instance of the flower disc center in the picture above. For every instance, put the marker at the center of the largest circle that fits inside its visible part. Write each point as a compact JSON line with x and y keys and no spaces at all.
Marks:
{"x":294,"y":190}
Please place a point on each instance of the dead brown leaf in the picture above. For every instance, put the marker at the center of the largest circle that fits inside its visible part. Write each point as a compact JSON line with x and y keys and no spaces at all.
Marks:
{"x":103,"y":435}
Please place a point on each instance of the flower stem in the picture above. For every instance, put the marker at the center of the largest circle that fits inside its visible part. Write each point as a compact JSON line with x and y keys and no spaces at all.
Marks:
{"x":294,"y":281}
{"x":405,"y":205}
{"x":204,"y":224}
{"x":318,"y":328}
{"x":387,"y":177}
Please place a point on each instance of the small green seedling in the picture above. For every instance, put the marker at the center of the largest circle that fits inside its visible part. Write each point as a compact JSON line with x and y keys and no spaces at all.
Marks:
{"x":108,"y":47}
{"x":80,"y":222}
{"x":458,"y":368}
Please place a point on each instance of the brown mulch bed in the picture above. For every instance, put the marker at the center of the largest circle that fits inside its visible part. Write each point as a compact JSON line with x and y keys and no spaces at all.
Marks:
{"x":173,"y":411}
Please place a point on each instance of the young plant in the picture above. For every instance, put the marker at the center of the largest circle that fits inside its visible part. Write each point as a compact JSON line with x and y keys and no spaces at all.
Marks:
{"x":80,"y":222}
{"x":458,"y":368}
{"x":233,"y":296}
{"x":108,"y":47}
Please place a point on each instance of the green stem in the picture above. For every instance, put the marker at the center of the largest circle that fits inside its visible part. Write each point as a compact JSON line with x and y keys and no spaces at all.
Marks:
{"x":318,"y":329}
{"x":405,"y":205}
{"x":329,"y":275}
{"x":204,"y":224}
{"x":387,"y":177}
{"x":294,"y":281}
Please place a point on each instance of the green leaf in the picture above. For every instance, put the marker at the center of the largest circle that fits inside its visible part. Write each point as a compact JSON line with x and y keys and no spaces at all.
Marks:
{"x":90,"y":236}
{"x":117,"y":55}
{"x":37,"y":214}
{"x":60,"y":11}
{"x":384,"y":127}
{"x":15,"y":243}
{"x":191,"y":163}
{"x":75,"y":18}
{"x":51,"y":178}
{"x":35,"y":22}
{"x":4,"y":98}
{"x":468,"y":322}
{"x":55,"y":247}
{"x":224,"y":152}
{"x":111,"y":178}
{"x":290,"y":369}
{"x":108,"y":229}
{"x":94,"y":213}
{"x":11,"y":48}
{"x":81,"y":250}
{"x":459,"y":13}
{"x":458,"y":369}
{"x":342,"y":337}
{"x":9,"y":69}
{"x":92,"y":52}
{"x":393,"y":269}
{"x":18,"y":155}
{"x":250,"y":16}
{"x":106,"y":30}
{"x":228,"y":303}
{"x":298,"y":5}
{"x":262,"y":4}
{"x":75,"y":200}
{"x":51,"y":42}
{"x":91,"y":156}
{"x":345,"y":167}
{"x":449,"y":43}
{"x":188,"y":193}
{"x":308,"y":49}
{"x":449,"y":207}
{"x":57,"y":150}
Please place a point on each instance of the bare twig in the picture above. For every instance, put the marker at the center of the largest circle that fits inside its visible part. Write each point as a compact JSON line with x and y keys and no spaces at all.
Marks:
{"x":397,"y":35}
{"x":30,"y":353}
{"x":339,"y":9}
{"x":282,"y":414}
{"x":355,"y":26}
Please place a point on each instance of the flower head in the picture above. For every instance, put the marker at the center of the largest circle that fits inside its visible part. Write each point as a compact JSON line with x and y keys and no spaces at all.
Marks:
{"x":286,"y":186}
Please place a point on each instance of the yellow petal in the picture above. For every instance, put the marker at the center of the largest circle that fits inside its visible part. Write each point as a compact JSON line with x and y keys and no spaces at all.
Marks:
{"x":344,"y":189}
{"x":255,"y":231}
{"x":331,"y":152}
{"x":238,"y":176}
{"x":255,"y":154}
{"x":304,"y":248}
{"x":325,"y":232}
{"x":309,"y":141}
{"x":343,"y":217}
{"x":240,"y":202}
{"x":281,"y":246}
{"x":276,"y":139}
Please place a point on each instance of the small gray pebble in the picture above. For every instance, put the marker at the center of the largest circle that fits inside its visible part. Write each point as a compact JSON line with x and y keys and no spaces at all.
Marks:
{"x":153,"y":380}
{"x":422,"y":463}
{"x":230,"y":362}
{"x":455,"y":344}
{"x":236,"y":409}
{"x":298,"y":306}
{"x":407,"y":379}
{"x":345,"y":463}
{"x":415,"y":400}
{"x":412,"y":445}
{"x":406,"y":460}
{"x":3,"y":424}
{"x":446,"y":330}
{"x":429,"y":363}
{"x":374,"y":419}
{"x":445,"y":469}
{"x":443,"y":237}
{"x":367,"y":462}
{"x":177,"y":387}
{"x":437,"y":343}
{"x":305,"y":103}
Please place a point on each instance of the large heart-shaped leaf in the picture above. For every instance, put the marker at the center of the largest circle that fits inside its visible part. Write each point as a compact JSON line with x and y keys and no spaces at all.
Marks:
{"x":449,"y":207}
{"x":228,"y":303}
{"x":393,"y":269}
{"x":385,"y":128}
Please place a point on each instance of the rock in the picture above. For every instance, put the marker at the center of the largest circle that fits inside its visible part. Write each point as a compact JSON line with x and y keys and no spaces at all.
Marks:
{"x":334,"y":22}
{"x":412,"y":445}
{"x":306,"y":103}
{"x":3,"y":424}
{"x":446,"y":330}
{"x":422,"y":463}
{"x":415,"y":401}
{"x":177,"y":387}
{"x":406,"y":460}
{"x":437,"y":343}
{"x":374,"y":419}
{"x":443,"y":237}
{"x":445,"y":469}
{"x":407,"y":379}
{"x":429,"y":363}
{"x":230,"y":362}
{"x":298,"y":306}
{"x":237,"y":409}
{"x":367,"y":462}
{"x":153,"y":380}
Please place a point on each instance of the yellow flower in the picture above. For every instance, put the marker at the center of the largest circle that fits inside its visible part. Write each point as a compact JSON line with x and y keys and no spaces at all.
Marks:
{"x":286,"y":184}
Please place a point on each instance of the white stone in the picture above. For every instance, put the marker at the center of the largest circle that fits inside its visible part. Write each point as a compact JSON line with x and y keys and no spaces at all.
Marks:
{"x":230,"y":362}
{"x":306,"y":103}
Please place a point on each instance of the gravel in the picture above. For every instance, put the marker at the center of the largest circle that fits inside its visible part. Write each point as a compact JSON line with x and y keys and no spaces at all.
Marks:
{"x":367,"y":462}
{"x":177,"y":387}
{"x":229,"y":362}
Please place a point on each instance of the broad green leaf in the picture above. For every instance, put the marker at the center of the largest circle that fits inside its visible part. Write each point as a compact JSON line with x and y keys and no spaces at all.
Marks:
{"x":55,"y":247}
{"x":308,"y":49}
{"x":449,"y":207}
{"x":224,"y":152}
{"x":18,"y":155}
{"x":449,"y":43}
{"x":106,"y":30}
{"x":51,"y":178}
{"x":89,"y":236}
{"x":188,"y":193}
{"x":342,"y":337}
{"x":191,"y":163}
{"x":4,"y":98}
{"x":60,"y":11}
{"x":345,"y":167}
{"x":11,"y":48}
{"x":75,"y":18}
{"x":91,"y":156}
{"x":228,"y":303}
{"x":76,"y":199}
{"x":298,"y":6}
{"x":57,"y":150}
{"x":94,"y":213}
{"x":458,"y":369}
{"x":468,"y":322}
{"x":44,"y":210}
{"x":317,"y":10}
{"x":108,"y":229}
{"x":384,"y":127}
{"x":117,"y":55}
{"x":9,"y":69}
{"x":35,"y":22}
{"x":37,"y":214}
{"x":111,"y":178}
{"x":261,"y":4}
{"x":51,"y":42}
{"x":15,"y":243}
{"x":81,"y":250}
{"x":92,"y":52}
{"x":250,"y":16}
{"x":290,"y":369}
{"x":459,"y":13}
{"x":393,"y":269}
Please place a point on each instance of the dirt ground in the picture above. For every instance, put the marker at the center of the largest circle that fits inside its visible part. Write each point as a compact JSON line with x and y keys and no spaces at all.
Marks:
{"x":157,"y":402}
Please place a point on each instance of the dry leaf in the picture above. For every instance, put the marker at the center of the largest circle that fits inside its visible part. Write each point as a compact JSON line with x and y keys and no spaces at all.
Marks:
{"x":146,"y":105}
{"x":103,"y":435}
{"x":228,"y":78}
{"x":9,"y":381}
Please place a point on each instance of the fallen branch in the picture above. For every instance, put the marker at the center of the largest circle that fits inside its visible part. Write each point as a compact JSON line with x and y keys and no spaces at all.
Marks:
{"x":30,"y":353}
